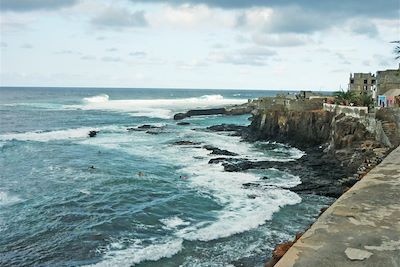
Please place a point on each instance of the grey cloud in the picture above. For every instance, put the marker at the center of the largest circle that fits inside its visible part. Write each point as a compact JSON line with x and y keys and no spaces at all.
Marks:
{"x":120,"y":18}
{"x":281,"y":40}
{"x":363,"y":27}
{"x":27,"y":46}
{"x":138,"y":54}
{"x":340,"y":7}
{"x":255,"y":56}
{"x":67,"y":52}
{"x":295,"y":20}
{"x":112,"y":49}
{"x":29,"y":5}
{"x":111,"y":59}
{"x":219,"y":46}
{"x":3,"y":44}
{"x":88,"y":57}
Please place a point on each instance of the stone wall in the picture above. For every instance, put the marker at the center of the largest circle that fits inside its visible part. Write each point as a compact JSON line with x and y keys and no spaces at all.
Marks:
{"x":357,"y":112}
{"x":388,"y":79}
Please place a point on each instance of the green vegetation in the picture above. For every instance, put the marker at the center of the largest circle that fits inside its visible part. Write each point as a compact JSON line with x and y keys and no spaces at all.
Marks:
{"x":344,"y":97}
{"x":348,"y":98}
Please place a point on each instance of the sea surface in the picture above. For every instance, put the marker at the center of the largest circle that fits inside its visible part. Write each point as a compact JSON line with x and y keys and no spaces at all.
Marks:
{"x":132,"y":198}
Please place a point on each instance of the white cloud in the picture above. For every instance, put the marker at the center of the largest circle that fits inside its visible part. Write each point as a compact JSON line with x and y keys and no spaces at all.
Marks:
{"x":113,"y":17}
{"x":191,"y":16}
{"x":281,"y":40}
{"x":255,"y":56}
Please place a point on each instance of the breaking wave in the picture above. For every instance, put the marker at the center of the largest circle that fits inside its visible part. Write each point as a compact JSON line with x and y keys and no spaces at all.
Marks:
{"x":156,"y":108}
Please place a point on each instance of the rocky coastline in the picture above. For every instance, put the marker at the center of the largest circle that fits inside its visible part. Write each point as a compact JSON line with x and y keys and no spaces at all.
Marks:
{"x":339,"y":149}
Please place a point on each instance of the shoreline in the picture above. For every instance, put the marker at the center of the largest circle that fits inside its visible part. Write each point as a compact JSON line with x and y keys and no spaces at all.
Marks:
{"x":358,"y":229}
{"x":340,"y":150}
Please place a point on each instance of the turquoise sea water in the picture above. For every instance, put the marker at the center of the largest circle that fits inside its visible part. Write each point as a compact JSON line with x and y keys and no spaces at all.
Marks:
{"x":133,"y":207}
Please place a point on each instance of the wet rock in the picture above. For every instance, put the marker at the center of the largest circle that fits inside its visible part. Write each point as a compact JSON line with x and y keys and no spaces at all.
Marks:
{"x":250,"y":185}
{"x":183,"y":123}
{"x":145,"y":127}
{"x":217,"y":151}
{"x":216,"y":160}
{"x":199,"y":112}
{"x":226,"y":128}
{"x":185,"y":143}
{"x":180,"y":116}
{"x":148,"y":126}
{"x":92,"y":133}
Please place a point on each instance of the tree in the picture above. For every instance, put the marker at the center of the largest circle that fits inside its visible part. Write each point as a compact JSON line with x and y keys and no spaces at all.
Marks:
{"x":365,"y":100}
{"x":345,"y":98}
{"x":396,"y":49}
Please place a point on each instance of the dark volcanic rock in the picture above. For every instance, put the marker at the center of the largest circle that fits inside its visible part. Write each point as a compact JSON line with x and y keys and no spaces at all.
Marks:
{"x":183,"y":123}
{"x":298,"y":128}
{"x":148,"y":126}
{"x":185,"y":143}
{"x":180,"y":116}
{"x":199,"y":112}
{"x":217,"y":151}
{"x":216,"y":160}
{"x":150,"y":129}
{"x":236,"y":130}
{"x":92,"y":133}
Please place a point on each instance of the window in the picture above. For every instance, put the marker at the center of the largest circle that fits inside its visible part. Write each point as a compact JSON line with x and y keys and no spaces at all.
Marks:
{"x":365,"y":81}
{"x":351,"y":81}
{"x":373,"y":81}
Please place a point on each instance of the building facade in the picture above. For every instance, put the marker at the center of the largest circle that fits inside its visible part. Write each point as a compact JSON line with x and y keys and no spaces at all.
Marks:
{"x":363,"y":83}
{"x":387,"y":80}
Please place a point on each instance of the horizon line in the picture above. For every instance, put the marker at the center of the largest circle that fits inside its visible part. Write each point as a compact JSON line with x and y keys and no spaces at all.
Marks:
{"x":160,"y":88}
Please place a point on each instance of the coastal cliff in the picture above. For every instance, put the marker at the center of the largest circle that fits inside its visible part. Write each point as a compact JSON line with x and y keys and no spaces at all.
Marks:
{"x":340,"y":149}
{"x":299,"y":128}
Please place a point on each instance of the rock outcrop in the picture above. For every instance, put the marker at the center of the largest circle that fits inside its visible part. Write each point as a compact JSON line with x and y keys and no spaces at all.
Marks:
{"x":299,"y":128}
{"x":234,"y":110}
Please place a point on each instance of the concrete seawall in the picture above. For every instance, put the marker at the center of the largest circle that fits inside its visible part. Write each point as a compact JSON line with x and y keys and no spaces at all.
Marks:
{"x":362,"y":228}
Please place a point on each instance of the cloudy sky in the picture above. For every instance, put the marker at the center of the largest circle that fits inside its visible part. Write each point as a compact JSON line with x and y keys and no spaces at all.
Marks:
{"x":253,"y":44}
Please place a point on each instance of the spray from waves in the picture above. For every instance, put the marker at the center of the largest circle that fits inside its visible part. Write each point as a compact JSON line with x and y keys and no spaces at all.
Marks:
{"x":137,"y":253}
{"x":102,"y":98}
{"x":158,"y":108}
{"x":7,"y":199}
{"x":244,"y":208}
{"x":173,"y":222}
{"x":45,"y":136}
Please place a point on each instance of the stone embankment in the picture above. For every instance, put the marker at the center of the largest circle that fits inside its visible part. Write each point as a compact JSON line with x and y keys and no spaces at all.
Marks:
{"x":362,"y":228}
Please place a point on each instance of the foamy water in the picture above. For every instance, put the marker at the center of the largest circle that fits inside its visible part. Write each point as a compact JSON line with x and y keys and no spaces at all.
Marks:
{"x":154,"y":108}
{"x":127,"y":198}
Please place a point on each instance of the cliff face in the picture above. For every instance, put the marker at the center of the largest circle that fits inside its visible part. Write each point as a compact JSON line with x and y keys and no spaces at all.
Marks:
{"x":299,"y":128}
{"x":346,"y":140}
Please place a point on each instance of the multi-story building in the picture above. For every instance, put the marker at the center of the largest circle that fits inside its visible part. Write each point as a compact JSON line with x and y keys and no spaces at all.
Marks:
{"x":363,"y":83}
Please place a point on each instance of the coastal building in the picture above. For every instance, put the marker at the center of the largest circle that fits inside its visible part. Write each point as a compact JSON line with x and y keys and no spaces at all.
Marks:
{"x":363,"y":83}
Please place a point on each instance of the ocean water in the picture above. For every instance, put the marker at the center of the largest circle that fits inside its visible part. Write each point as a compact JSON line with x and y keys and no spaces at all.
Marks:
{"x":146,"y":202}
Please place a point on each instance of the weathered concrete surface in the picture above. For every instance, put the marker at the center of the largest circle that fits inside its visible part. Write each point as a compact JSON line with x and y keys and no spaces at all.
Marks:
{"x":362,"y":228}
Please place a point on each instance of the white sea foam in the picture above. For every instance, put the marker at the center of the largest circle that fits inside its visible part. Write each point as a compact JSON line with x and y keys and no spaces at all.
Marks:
{"x":48,"y":136}
{"x":160,"y":108}
{"x":8,"y":199}
{"x":243,"y":209}
{"x":137,"y":253}
{"x":102,"y":98}
{"x":282,"y":179}
{"x":44,"y":136}
{"x":174,"y":222}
